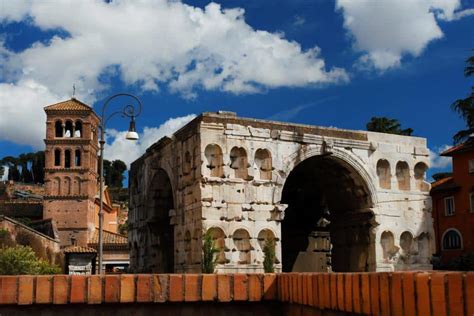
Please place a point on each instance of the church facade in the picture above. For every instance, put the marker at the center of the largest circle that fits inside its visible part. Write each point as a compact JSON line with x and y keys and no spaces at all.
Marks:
{"x":330,"y":199}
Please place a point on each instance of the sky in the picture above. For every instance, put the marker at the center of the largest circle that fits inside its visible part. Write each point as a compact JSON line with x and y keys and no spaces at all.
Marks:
{"x":319,"y":62}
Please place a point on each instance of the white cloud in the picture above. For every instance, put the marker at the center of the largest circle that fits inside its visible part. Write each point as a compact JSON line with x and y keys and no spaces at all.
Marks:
{"x":22,"y":118}
{"x":437,"y":161}
{"x":153,"y":44}
{"x":128,"y":151}
{"x":156,"y":42}
{"x":387,"y":30}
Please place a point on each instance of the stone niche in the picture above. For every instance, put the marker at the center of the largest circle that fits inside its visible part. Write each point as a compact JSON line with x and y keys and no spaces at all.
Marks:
{"x":248,"y":181}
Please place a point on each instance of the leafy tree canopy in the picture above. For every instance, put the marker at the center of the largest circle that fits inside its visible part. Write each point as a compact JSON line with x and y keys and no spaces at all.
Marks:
{"x":27,"y":168}
{"x":465,"y":107}
{"x":22,"y":260}
{"x":387,"y":125}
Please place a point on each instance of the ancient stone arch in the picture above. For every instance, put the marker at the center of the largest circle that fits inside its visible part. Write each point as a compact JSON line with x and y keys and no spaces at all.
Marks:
{"x":346,"y":158}
{"x":237,"y":182}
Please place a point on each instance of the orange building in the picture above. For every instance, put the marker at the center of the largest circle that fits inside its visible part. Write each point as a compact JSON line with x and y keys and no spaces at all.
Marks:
{"x":453,"y":205}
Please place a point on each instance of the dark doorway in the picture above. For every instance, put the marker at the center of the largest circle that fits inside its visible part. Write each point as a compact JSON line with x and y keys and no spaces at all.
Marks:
{"x":161,"y":232}
{"x":319,"y":185}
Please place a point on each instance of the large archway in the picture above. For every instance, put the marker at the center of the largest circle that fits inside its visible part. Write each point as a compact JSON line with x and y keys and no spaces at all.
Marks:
{"x":327,"y":224}
{"x":161,"y":232}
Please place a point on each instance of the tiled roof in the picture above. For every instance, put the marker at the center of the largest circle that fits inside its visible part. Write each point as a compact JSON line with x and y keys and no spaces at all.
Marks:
{"x":79,"y":249}
{"x":69,"y":105}
{"x":109,"y":239}
{"x":440,"y":182}
{"x":444,"y":184}
{"x":464,"y":147}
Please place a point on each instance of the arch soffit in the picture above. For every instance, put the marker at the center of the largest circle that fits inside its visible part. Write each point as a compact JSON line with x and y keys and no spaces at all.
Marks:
{"x":168,"y":171}
{"x":350,"y":159}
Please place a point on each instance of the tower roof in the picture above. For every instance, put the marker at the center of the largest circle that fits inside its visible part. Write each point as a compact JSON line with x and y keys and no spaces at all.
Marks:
{"x":69,"y":105}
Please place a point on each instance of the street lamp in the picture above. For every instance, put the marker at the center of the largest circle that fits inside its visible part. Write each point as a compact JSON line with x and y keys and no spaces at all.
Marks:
{"x":127,"y":111}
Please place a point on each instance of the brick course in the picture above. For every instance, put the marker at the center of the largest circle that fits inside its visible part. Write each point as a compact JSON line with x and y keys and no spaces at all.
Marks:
{"x":399,"y":293}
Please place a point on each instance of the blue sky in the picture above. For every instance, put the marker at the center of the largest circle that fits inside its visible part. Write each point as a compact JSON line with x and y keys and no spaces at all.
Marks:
{"x":320,"y":62}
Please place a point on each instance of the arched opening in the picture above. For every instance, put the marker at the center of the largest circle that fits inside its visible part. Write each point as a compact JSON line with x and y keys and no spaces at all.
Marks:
{"x":67,"y":186}
{"x":266,"y":236}
{"x":263,"y":160}
{"x":77,"y":186}
{"x":58,"y":129}
{"x":239,"y":162}
{"x":215,"y":161}
{"x":328,"y":200}
{"x":67,"y":158}
{"x":241,"y":239}
{"x":69,"y":130}
{"x":403,"y":176}
{"x":452,"y":240}
{"x":407,"y":247}
{"x":78,"y":129}
{"x":383,"y":173}
{"x":161,"y":243}
{"x":56,"y":186}
{"x":389,"y":250}
{"x":420,"y":171}
{"x":77,"y":158}
{"x":57,"y":157}
{"x":218,"y":237}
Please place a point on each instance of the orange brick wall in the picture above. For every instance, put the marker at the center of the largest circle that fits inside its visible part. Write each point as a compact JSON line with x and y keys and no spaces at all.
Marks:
{"x":463,"y":218}
{"x":398,"y":293}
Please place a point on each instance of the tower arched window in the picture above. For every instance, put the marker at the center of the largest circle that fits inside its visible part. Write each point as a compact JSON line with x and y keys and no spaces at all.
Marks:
{"x":58,"y":129}
{"x":77,"y":158}
{"x":78,"y":129}
{"x":57,"y":157}
{"x":67,"y":158}
{"x":69,"y":130}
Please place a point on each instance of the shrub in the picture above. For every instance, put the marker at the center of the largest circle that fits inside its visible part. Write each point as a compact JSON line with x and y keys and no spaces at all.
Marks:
{"x":209,"y":251}
{"x":22,"y":260}
{"x":269,"y":256}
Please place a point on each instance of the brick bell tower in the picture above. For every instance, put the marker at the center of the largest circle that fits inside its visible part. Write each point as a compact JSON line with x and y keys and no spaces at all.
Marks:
{"x":71,"y":170}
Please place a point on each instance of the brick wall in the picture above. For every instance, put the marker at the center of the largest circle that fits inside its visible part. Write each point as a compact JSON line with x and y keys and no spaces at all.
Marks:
{"x":399,"y":293}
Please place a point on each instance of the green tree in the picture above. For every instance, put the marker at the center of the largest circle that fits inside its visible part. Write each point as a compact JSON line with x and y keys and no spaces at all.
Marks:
{"x":465,"y":107}
{"x":113,"y":172}
{"x":123,"y":228}
{"x":118,"y":169}
{"x":387,"y":125}
{"x":22,"y":260}
{"x":27,"y":167}
{"x":209,"y":253}
{"x":269,"y":256}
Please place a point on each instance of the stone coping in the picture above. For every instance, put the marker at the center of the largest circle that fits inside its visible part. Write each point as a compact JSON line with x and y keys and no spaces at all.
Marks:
{"x":397,"y":293}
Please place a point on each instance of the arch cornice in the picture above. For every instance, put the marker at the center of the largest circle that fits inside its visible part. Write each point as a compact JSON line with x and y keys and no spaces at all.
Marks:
{"x":350,"y":159}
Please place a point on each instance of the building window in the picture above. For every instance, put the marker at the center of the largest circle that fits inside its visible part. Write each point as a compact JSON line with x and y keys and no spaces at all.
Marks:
{"x":449,"y":206}
{"x":452,"y":240}
{"x":471,"y":166}
{"x":57,"y":157}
